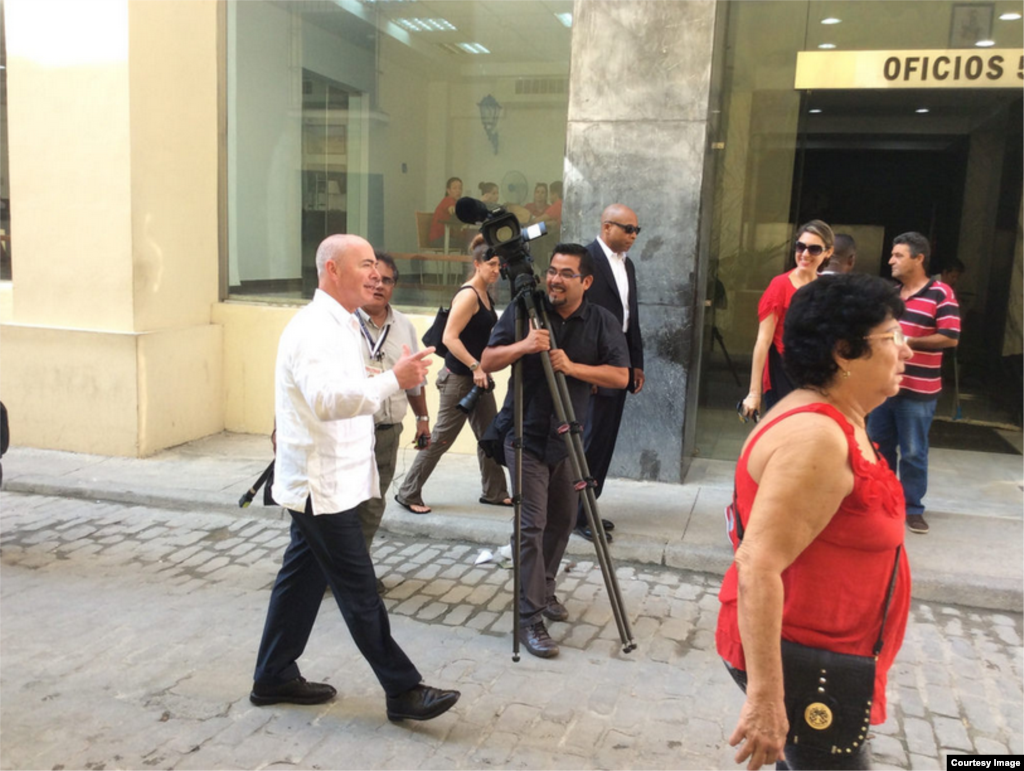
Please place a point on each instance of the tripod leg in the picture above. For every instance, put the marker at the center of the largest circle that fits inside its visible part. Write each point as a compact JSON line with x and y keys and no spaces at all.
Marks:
{"x":718,"y":336}
{"x":517,"y":490}
{"x":574,"y":445}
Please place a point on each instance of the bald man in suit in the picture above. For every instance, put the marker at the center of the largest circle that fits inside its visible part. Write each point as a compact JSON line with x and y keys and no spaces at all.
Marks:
{"x":614,"y":288}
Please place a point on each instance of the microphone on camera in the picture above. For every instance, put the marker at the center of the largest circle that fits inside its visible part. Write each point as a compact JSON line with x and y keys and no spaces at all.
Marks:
{"x":471,"y":211}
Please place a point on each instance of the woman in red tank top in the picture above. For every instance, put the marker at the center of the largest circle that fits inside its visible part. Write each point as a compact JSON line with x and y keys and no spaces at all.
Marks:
{"x":820,"y":514}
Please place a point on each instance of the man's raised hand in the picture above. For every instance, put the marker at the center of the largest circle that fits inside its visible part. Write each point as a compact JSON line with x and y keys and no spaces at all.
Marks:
{"x":411,"y":368}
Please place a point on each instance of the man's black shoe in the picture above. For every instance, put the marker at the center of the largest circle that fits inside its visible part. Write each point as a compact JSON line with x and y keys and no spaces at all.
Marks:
{"x":587,"y":533}
{"x":556,"y":611}
{"x":421,"y":703}
{"x":296,"y":691}
{"x":606,"y":523}
{"x":537,"y":640}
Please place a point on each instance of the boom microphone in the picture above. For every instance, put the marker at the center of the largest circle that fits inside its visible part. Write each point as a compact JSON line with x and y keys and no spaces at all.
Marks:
{"x":471,"y":211}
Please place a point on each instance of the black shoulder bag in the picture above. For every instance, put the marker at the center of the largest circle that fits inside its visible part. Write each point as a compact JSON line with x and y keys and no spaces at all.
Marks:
{"x":435,"y":335}
{"x":828,"y":694}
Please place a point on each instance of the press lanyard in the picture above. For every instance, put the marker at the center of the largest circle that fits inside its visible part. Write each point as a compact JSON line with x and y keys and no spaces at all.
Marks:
{"x":376,"y":349}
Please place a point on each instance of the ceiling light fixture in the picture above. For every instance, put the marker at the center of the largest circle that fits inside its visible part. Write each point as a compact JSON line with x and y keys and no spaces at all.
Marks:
{"x":922,"y":110}
{"x":815,"y":111}
{"x":827,"y":46}
{"x":473,"y":48}
{"x":831,"y":20}
{"x":425,"y":25}
{"x":1011,"y":16}
{"x":985,"y":43}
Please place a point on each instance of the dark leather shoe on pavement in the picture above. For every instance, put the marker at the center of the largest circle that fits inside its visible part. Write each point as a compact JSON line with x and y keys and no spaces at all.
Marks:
{"x":587,"y":533}
{"x":556,"y":611}
{"x":296,"y":691}
{"x":916,"y":524}
{"x":537,"y":640}
{"x":421,"y":703}
{"x":608,"y":525}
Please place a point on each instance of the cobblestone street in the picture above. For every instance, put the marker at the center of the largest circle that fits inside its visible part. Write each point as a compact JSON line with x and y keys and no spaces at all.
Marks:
{"x":129,"y":633}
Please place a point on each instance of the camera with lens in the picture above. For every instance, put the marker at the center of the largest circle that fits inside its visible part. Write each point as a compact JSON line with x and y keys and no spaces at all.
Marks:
{"x":504,"y":236}
{"x":468,"y":402}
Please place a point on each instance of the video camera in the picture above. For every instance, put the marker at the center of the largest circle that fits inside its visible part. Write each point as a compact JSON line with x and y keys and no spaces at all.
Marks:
{"x":504,"y":236}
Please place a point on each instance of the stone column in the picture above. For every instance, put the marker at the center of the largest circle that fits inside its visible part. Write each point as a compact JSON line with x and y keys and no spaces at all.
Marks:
{"x":113,"y":130}
{"x":638,"y":122}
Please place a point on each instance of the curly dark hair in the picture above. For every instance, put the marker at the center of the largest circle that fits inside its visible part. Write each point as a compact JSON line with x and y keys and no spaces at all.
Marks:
{"x":834,"y":311}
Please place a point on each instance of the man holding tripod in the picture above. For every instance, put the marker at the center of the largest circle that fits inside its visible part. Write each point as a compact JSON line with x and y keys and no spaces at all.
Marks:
{"x":591,"y":351}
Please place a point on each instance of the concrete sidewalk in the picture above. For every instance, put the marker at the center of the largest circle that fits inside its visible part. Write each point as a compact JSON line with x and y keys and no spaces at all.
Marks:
{"x":973,"y":556}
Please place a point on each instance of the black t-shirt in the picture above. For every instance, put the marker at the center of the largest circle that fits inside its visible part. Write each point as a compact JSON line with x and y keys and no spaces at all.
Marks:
{"x":474,"y":336}
{"x":589,"y":336}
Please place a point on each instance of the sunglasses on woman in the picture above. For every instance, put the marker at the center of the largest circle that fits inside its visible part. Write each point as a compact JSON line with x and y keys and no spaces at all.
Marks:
{"x":812,"y":249}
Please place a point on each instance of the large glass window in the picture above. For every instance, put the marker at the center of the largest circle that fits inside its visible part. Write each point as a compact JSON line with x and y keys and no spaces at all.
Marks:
{"x":873,"y":162}
{"x":351,"y":117}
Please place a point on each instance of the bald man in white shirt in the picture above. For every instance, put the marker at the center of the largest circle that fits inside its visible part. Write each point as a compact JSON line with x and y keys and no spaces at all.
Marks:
{"x":324,"y":404}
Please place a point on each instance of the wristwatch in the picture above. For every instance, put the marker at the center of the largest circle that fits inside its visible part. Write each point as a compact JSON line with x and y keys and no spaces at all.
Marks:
{"x":423,"y":418}
{"x":474,"y":366}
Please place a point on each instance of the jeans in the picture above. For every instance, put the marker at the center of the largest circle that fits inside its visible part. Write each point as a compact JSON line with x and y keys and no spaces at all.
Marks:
{"x":903,"y":422}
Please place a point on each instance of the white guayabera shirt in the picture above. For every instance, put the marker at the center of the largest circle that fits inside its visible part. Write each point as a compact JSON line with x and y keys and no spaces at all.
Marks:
{"x":324,"y":403}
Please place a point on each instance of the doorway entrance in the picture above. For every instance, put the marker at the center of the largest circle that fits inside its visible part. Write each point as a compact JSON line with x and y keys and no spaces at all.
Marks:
{"x":874,"y":164}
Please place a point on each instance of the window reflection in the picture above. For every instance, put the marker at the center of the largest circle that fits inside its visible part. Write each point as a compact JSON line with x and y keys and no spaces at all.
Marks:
{"x":356,"y":119}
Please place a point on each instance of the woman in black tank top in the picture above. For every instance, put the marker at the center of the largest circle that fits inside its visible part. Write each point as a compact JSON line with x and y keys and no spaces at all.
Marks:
{"x":469,"y":328}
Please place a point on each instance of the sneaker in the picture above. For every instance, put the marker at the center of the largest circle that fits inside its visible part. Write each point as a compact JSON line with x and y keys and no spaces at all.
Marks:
{"x":917,"y":524}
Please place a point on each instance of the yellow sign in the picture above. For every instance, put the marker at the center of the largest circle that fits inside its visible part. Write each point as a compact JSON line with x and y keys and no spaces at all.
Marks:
{"x":955,"y":68}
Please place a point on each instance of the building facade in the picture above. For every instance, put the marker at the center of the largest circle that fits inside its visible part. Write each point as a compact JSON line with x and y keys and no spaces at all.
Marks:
{"x":170,"y":167}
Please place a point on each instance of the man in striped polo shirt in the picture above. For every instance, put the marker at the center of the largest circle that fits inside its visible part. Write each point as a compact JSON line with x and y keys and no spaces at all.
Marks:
{"x":930,"y":323}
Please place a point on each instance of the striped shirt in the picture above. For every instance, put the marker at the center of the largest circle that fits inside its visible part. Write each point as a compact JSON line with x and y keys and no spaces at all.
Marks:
{"x":933,"y":310}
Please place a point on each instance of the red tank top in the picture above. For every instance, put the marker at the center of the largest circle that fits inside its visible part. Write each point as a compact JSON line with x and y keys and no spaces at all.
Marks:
{"x":835,"y":589}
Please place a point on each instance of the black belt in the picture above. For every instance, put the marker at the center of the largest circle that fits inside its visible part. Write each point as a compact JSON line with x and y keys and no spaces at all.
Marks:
{"x":380,"y":426}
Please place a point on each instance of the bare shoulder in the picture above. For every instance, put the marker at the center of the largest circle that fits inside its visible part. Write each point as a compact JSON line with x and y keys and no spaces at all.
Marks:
{"x":464,"y":299}
{"x":810,"y":442}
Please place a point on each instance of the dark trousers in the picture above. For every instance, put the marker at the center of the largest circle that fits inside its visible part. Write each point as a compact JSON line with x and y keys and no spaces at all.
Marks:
{"x":600,"y":432}
{"x":798,"y":757}
{"x":548,"y":511}
{"x":329,"y":550}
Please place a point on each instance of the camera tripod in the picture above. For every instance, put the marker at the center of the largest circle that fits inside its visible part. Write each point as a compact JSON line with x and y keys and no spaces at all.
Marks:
{"x":528,"y":303}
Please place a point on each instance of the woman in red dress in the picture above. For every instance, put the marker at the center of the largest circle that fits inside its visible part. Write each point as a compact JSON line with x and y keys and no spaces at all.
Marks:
{"x":814,"y":242}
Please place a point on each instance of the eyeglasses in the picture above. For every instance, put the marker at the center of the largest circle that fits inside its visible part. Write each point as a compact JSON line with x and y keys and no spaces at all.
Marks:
{"x":812,"y":249}
{"x":567,"y":274}
{"x":630,"y":229}
{"x":387,"y":281}
{"x":896,"y":336}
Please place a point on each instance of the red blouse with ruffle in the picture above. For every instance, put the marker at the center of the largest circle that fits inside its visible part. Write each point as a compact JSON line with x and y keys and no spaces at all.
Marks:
{"x":835,"y":589}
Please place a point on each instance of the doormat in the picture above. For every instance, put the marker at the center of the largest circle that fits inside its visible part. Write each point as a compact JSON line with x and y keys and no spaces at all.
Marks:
{"x":958,"y":435}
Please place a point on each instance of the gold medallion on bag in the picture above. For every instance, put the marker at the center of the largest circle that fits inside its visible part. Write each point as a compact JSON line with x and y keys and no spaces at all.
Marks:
{"x":818,"y":716}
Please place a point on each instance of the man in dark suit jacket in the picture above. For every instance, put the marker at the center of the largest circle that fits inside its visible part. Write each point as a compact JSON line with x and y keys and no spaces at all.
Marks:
{"x":614,"y":288}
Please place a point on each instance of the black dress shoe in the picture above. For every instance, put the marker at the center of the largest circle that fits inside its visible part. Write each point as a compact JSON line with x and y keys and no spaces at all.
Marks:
{"x":556,"y":611}
{"x":421,"y":703}
{"x":587,"y":533}
{"x":296,"y":691}
{"x":607,"y":524}
{"x":537,"y":640}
